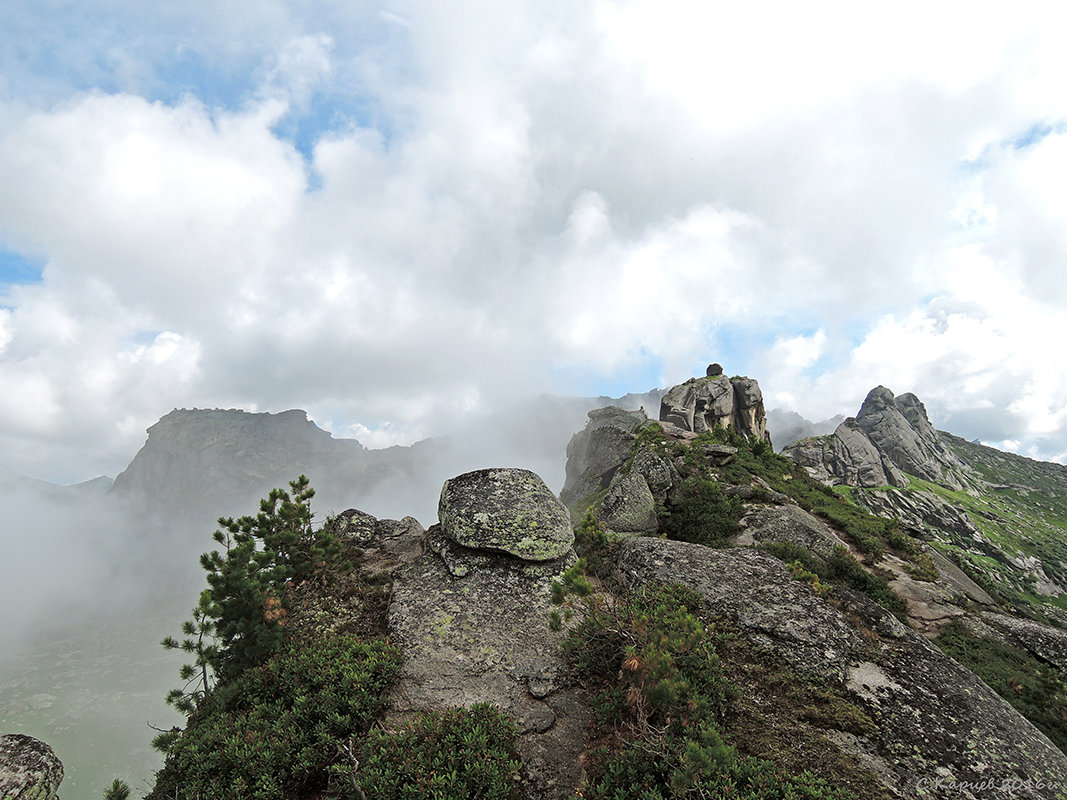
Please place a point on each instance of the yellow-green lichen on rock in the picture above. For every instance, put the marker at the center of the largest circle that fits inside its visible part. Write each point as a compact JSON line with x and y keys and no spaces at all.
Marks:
{"x":507,"y":510}
{"x":29,"y":769}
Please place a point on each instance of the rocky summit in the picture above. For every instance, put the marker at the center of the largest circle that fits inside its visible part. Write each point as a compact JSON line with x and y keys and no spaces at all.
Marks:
{"x":890,"y":438}
{"x":996,"y":515}
{"x":700,"y":404}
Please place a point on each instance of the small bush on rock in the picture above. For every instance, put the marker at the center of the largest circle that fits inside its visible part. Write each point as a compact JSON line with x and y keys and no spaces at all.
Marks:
{"x":658,"y":688}
{"x":698,"y":511}
{"x":458,"y":753}
{"x":272,"y":731}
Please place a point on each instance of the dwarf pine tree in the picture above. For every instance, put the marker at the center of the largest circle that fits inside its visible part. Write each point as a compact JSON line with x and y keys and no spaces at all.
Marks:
{"x":240,"y":619}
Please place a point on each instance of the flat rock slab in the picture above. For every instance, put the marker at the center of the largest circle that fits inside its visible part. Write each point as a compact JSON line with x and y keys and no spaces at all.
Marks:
{"x":945,"y":733}
{"x":505,"y":510}
{"x":793,"y":525}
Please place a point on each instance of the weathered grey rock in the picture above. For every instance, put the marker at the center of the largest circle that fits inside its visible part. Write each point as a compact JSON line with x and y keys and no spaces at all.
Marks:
{"x":888,"y":438}
{"x":720,"y":454}
{"x":659,"y":473}
{"x":595,"y":453}
{"x":923,"y":514}
{"x":355,"y":525}
{"x":929,"y":605}
{"x":714,"y":370}
{"x":29,"y":769}
{"x":461,"y":561}
{"x":700,"y":404}
{"x":749,"y":415}
{"x":629,"y":506}
{"x":937,"y":724}
{"x":846,"y":456}
{"x":484,"y":638}
{"x":915,"y":413}
{"x":950,"y":574}
{"x":913,"y":447}
{"x":794,"y":525}
{"x":400,"y":539}
{"x":507,"y":510}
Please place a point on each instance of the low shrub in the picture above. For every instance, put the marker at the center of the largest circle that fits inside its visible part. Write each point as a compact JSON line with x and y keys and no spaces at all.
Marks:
{"x":457,"y":753}
{"x":699,"y":511}
{"x":271,"y":732}
{"x":657,"y":686}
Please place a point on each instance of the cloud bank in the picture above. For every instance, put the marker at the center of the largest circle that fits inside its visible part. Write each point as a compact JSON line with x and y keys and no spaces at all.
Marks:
{"x":395,"y":215}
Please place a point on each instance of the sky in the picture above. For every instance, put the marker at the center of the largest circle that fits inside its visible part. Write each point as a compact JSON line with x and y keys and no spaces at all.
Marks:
{"x":396,"y":215}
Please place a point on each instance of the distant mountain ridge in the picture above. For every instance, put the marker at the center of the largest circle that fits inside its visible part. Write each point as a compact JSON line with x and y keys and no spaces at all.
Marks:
{"x":206,"y":462}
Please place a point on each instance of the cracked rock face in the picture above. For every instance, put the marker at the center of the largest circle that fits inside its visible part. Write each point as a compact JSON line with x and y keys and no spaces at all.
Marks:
{"x":28,"y":769}
{"x":900,"y":429}
{"x":702,"y":403}
{"x":937,"y":724}
{"x":505,"y":510}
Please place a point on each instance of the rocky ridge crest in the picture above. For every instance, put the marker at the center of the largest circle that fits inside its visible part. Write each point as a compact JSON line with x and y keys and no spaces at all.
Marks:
{"x":890,"y":438}
{"x":951,"y":493}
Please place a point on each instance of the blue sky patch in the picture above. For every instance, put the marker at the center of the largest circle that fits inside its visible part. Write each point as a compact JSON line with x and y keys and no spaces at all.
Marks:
{"x":18,"y":268}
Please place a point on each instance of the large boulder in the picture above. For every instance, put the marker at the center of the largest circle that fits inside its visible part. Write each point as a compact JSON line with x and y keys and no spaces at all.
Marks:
{"x":505,"y":510}
{"x":699,"y":404}
{"x":29,"y":769}
{"x":793,"y":525}
{"x":400,"y":539}
{"x":629,"y":506}
{"x":595,"y":453}
{"x":940,"y":731}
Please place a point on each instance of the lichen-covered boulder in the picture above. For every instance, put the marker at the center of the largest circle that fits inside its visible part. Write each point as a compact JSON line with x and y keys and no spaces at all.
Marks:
{"x":29,"y":769}
{"x":483,"y":637}
{"x":659,"y":473}
{"x":390,"y":537}
{"x":505,"y":510}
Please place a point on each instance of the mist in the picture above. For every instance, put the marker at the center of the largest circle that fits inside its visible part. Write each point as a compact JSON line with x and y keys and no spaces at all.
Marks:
{"x":96,"y":579}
